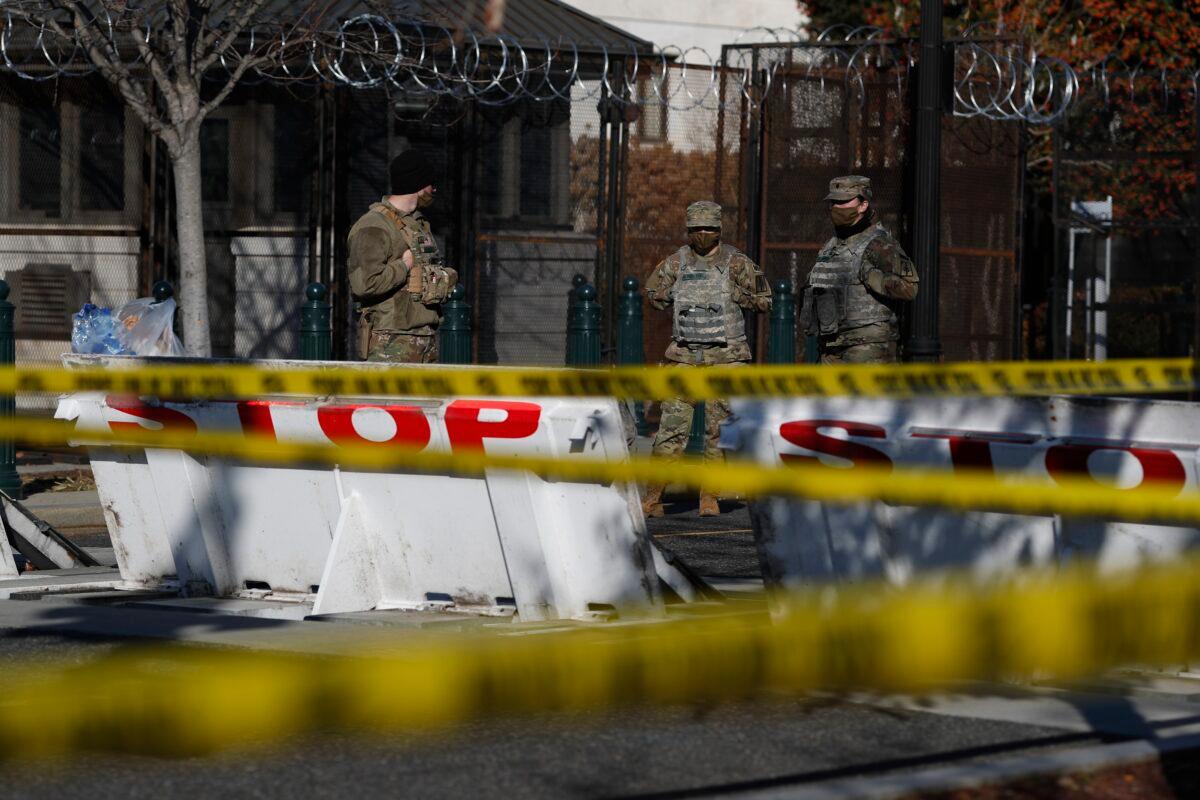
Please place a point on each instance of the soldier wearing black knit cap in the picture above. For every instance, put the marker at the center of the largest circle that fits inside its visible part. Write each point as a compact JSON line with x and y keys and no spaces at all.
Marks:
{"x":397,"y":276}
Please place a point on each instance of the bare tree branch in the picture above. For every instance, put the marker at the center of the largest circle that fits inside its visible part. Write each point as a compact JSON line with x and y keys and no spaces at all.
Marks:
{"x":218,"y":39}
{"x":235,"y":77}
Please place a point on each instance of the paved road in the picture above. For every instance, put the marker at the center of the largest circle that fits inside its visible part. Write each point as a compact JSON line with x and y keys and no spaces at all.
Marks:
{"x":744,"y":750}
{"x":673,"y":753}
{"x":718,"y":547}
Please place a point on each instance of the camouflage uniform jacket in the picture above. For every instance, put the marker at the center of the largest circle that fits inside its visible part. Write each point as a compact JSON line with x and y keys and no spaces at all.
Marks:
{"x":888,"y":273}
{"x":747,"y":288}
{"x":393,"y":297}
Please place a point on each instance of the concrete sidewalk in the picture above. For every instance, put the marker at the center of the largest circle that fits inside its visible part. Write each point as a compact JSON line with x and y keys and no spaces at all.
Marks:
{"x":72,"y":513}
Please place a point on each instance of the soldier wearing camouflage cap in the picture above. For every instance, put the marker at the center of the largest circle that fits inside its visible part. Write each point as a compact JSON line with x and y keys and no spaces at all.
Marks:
{"x":852,"y":295}
{"x":708,"y":284}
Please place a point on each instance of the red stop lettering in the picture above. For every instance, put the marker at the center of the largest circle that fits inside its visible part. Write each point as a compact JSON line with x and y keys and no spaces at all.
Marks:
{"x":807,"y":434}
{"x":974,"y":450}
{"x":1160,"y":467}
{"x":467,"y":431}
{"x":412,"y":427}
{"x":256,"y":417}
{"x":168,"y":418}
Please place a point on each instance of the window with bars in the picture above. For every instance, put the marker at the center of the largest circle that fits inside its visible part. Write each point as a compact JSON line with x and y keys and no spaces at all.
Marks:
{"x":70,"y":156}
{"x":524,"y":165}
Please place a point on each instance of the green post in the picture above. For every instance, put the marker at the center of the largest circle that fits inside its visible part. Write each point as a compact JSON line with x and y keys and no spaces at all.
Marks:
{"x":695,"y":445}
{"x":10,"y":481}
{"x":781,"y":344}
{"x":811,"y":355}
{"x":316,"y":329}
{"x":631,"y":350}
{"x":454,"y":342}
{"x":162,"y":290}
{"x":583,"y":329}
{"x":573,"y":295}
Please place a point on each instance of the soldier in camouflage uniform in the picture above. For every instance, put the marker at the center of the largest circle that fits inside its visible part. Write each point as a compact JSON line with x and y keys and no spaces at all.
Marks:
{"x":708,"y":283}
{"x":396,"y":272}
{"x":851,"y":295}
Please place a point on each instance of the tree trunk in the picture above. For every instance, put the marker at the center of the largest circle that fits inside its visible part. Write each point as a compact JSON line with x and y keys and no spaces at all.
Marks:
{"x":193,"y":265}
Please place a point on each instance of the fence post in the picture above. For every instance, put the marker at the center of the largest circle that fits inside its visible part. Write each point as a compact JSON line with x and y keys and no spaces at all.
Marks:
{"x":10,"y":481}
{"x":583,"y":329}
{"x":454,"y":344}
{"x":631,"y":350}
{"x":781,"y":344}
{"x":573,"y":295}
{"x":316,"y":330}
{"x":695,"y":445}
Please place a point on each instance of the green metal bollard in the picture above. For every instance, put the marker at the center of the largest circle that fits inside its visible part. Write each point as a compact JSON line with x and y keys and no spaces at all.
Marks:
{"x":162,"y":291}
{"x":781,"y":344}
{"x":316,"y":329}
{"x":811,"y":354}
{"x":631,"y":350}
{"x":10,"y":481}
{"x":583,"y":329}
{"x":695,"y":445}
{"x":454,"y":336}
{"x":573,"y":295}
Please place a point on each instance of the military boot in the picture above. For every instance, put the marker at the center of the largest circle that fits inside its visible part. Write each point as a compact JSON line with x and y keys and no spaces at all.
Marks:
{"x":708,"y":505}
{"x":652,"y":503}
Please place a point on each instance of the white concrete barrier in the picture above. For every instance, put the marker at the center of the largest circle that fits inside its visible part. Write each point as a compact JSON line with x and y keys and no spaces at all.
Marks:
{"x":353,"y":540}
{"x":1117,"y":443}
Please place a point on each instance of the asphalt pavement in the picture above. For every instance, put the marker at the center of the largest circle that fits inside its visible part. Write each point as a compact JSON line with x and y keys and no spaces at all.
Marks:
{"x":636,"y":753}
{"x":766,"y":747}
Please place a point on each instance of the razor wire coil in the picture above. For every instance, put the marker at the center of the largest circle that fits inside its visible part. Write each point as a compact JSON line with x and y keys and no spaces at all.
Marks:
{"x":995,"y":76}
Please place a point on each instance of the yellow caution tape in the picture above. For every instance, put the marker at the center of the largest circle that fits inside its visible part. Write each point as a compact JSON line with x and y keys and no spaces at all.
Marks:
{"x":177,"y":701}
{"x":865,"y":380}
{"x":964,"y":490}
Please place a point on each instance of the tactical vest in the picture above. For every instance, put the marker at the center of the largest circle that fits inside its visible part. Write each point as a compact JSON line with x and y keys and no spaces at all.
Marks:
{"x":416,"y":235}
{"x":835,"y":297}
{"x":704,"y":311}
{"x":403,"y":309}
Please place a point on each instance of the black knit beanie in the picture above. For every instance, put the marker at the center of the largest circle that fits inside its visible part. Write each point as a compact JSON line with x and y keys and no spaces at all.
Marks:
{"x":410,"y":172}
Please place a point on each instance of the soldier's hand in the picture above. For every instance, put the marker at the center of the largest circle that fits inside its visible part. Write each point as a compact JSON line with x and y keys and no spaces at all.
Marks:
{"x":875,"y":281}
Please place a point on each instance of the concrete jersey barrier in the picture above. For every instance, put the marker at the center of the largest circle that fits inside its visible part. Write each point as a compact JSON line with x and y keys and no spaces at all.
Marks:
{"x":346,"y":540}
{"x":1117,"y":444}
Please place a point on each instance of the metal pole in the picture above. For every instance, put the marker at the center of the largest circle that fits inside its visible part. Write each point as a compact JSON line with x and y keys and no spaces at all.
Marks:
{"x":925,"y":343}
{"x":454,"y":345}
{"x":631,"y":350}
{"x":781,"y":344}
{"x":10,"y":481}
{"x":162,"y":291}
{"x":583,"y":331}
{"x":316,"y":327}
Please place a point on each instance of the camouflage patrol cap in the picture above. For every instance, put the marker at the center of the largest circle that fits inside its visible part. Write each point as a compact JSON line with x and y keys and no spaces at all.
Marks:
{"x":848,"y":187}
{"x":704,"y":214}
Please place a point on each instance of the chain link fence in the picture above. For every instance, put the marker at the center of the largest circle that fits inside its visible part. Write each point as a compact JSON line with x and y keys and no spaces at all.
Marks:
{"x":531,"y":193}
{"x":1126,"y":213}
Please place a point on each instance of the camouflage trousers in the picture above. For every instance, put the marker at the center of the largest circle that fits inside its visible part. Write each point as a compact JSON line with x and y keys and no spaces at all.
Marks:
{"x":865,"y":353}
{"x":402,"y":348}
{"x":675,"y":426}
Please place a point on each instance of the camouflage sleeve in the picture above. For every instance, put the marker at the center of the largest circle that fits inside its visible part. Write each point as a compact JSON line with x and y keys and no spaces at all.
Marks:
{"x":661,"y":282}
{"x":372,"y":270}
{"x":750,"y":287}
{"x":888,"y":271}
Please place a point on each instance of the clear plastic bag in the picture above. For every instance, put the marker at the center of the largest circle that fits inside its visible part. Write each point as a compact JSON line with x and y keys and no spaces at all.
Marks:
{"x":93,"y":330}
{"x":146,"y":328}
